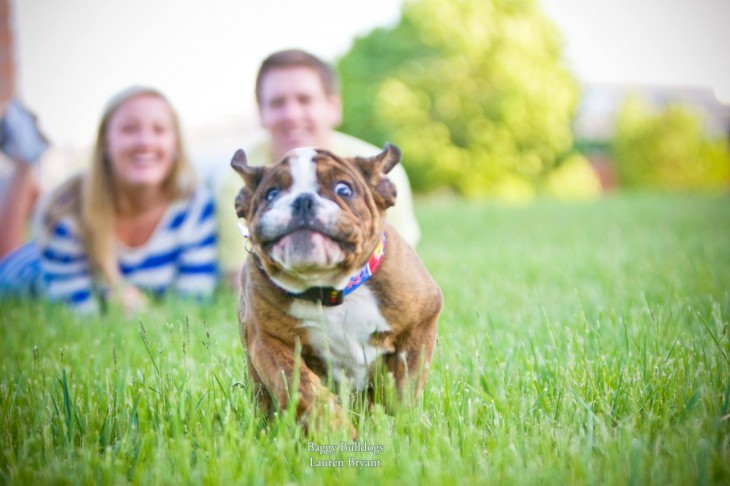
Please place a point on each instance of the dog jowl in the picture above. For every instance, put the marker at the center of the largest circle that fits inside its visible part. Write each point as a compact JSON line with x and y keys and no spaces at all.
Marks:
{"x":329,"y":288}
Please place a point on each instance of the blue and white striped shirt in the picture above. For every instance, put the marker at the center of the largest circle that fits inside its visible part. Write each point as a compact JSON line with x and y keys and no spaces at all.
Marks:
{"x":180,"y":256}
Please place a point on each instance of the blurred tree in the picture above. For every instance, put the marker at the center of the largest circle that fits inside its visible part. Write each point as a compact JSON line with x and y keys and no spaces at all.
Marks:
{"x":473,"y":91}
{"x":667,"y":149}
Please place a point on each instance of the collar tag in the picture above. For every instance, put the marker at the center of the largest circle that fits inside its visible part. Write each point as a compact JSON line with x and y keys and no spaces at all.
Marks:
{"x":242,"y":228}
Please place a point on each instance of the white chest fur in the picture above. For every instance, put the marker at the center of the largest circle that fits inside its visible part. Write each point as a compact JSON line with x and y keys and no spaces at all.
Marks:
{"x":341,"y":334}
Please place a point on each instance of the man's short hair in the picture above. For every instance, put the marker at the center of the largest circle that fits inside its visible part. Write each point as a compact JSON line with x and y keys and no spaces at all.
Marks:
{"x":292,"y":58}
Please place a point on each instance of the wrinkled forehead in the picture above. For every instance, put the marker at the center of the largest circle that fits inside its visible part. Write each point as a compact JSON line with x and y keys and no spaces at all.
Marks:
{"x":301,"y":166}
{"x":306,"y":168}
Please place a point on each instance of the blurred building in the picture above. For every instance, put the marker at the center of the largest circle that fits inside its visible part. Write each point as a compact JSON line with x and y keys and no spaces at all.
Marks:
{"x":600,"y":103}
{"x":7,"y":53}
{"x":7,"y":69}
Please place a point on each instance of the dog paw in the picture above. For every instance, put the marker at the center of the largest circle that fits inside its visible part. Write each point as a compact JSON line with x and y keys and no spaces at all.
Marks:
{"x":326,"y":416}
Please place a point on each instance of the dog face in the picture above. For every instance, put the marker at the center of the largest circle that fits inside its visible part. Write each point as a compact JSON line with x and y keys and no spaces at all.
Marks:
{"x":313,"y":217}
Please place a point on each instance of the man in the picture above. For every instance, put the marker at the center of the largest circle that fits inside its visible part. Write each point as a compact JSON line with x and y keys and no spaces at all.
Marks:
{"x":299,"y":106}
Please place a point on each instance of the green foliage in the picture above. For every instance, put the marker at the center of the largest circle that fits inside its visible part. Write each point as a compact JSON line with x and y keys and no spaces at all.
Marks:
{"x":580,"y":344}
{"x":667,"y":149}
{"x":473,"y":91}
{"x":573,"y":179}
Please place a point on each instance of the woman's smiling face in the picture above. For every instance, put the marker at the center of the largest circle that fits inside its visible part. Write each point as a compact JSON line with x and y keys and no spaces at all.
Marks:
{"x":141,"y":141}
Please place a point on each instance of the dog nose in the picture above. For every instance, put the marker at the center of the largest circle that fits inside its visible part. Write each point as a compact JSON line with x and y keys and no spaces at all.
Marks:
{"x":303,"y":207}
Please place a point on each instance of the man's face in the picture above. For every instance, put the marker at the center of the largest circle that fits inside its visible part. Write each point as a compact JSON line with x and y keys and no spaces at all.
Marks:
{"x":295,"y":109}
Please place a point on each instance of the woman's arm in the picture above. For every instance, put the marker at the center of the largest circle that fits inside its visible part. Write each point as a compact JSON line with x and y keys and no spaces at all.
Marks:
{"x":66,"y":270}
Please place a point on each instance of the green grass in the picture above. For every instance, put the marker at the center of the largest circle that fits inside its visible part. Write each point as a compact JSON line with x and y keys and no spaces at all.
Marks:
{"x":579,"y":344}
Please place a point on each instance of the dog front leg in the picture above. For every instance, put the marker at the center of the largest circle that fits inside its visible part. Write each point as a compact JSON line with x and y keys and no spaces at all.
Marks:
{"x":411,"y":361}
{"x":275,"y":364}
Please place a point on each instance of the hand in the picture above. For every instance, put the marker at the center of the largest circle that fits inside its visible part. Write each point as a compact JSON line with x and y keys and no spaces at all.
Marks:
{"x":129,"y":298}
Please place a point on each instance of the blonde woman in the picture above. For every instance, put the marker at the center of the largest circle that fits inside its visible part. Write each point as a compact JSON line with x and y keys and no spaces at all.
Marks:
{"x":136,"y":225}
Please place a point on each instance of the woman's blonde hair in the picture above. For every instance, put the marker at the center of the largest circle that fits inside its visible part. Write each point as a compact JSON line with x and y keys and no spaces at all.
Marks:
{"x":92,"y":197}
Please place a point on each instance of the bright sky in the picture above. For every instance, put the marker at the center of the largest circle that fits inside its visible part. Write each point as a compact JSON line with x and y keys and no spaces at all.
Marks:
{"x":74,"y":54}
{"x":681,"y":42}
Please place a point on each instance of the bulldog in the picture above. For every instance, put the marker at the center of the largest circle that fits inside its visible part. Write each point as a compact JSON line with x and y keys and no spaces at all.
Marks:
{"x":330,"y":293}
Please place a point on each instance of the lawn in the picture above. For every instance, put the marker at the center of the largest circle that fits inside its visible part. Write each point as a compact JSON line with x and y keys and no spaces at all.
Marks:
{"x":579,"y":344}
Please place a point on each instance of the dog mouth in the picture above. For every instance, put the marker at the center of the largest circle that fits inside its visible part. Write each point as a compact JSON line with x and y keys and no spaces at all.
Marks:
{"x":306,"y":250}
{"x":301,"y":230}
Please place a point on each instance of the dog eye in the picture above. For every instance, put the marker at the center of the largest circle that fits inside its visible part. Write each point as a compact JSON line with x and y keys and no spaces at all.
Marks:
{"x":272,"y":193}
{"x":343,"y":189}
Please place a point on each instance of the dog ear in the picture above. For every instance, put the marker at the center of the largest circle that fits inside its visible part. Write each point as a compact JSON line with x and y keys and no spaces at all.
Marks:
{"x":374,"y":169}
{"x":251,"y":175}
{"x":381,"y":163}
{"x":391,"y":156}
{"x":242,"y":202}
